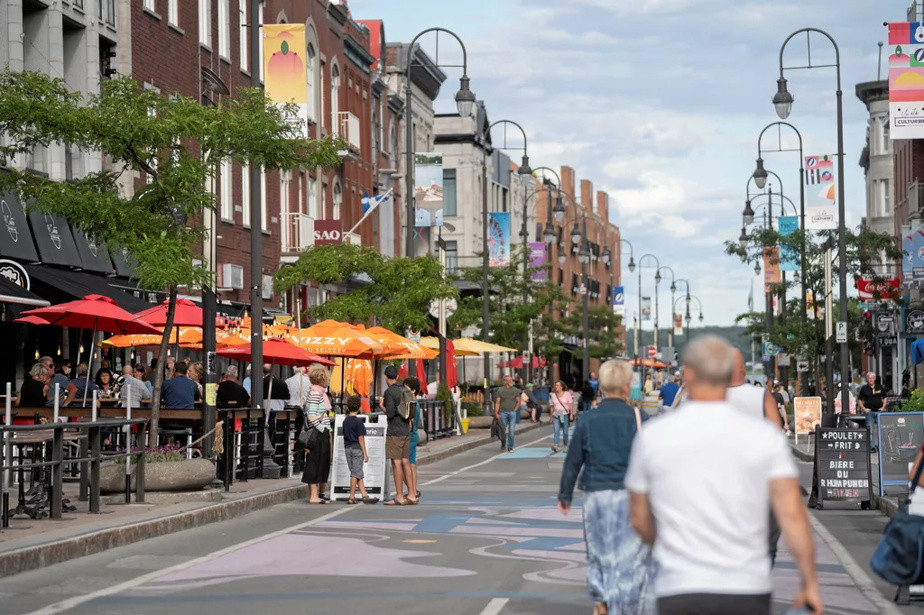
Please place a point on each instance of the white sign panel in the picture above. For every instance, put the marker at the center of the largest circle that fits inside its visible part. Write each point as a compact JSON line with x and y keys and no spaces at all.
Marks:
{"x":841,"y":334}
{"x":374,"y":471}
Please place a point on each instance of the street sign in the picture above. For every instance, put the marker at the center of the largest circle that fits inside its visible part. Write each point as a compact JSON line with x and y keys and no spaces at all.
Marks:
{"x":802,"y":366}
{"x":782,"y":360}
{"x":841,"y":332}
{"x":914,"y":321}
{"x":449,"y":304}
{"x":652,"y":352}
{"x":770,"y":350}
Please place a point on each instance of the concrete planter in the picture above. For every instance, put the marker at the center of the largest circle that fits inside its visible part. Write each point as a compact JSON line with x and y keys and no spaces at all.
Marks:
{"x":185,"y":475}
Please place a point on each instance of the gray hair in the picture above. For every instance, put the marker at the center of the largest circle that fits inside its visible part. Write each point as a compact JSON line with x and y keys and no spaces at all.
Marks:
{"x":231,"y":372}
{"x":711,"y":359}
{"x":614,"y":377}
{"x":38,"y":371}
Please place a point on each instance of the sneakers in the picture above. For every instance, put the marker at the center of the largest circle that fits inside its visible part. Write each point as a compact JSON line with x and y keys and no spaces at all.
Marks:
{"x":554,"y":449}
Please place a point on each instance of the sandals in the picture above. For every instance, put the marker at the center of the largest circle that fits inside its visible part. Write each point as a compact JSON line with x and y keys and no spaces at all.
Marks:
{"x":352,"y":501}
{"x":370,"y":500}
{"x":394,"y":502}
{"x":318,"y":503}
{"x":411,"y":502}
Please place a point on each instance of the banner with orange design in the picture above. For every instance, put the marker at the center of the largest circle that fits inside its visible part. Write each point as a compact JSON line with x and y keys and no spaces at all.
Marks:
{"x":285,"y":72}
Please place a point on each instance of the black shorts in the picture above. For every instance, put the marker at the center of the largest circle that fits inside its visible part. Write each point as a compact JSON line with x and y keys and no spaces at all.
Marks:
{"x":714,"y":604}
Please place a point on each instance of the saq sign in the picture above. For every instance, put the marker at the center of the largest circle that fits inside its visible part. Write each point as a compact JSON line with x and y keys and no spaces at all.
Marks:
{"x":327,"y":232}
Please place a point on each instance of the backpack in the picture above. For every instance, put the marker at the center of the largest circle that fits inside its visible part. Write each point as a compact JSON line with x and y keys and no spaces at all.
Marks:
{"x":408,"y":407}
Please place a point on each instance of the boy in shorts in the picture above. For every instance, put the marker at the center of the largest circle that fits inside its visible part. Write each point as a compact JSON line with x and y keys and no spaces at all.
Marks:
{"x":354,"y":445}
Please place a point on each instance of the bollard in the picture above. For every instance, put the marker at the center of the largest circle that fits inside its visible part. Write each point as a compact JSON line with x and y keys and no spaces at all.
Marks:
{"x":57,"y":474}
{"x":7,"y":479}
{"x":139,"y":468}
{"x":128,"y":449}
{"x":94,"y":437}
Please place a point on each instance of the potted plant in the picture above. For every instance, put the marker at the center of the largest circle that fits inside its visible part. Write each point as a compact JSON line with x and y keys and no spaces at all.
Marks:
{"x":166,"y":468}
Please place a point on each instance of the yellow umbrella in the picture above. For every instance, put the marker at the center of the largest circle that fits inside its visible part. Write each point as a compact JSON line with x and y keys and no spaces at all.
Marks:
{"x":433,"y":343}
{"x":467,"y":347}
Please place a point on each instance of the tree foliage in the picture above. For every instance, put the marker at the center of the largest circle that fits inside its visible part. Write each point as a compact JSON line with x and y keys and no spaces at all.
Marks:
{"x":175,"y":142}
{"x":398,"y":291}
{"x":602,"y":340}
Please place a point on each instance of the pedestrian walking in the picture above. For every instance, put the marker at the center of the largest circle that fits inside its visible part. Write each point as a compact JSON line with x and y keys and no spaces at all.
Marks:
{"x":620,"y":568}
{"x":398,"y":438}
{"x":562,"y":406}
{"x":317,"y":426}
{"x":506,"y":407}
{"x":354,"y":447}
{"x":701,"y":482}
{"x":414,"y":385}
{"x":669,"y":391}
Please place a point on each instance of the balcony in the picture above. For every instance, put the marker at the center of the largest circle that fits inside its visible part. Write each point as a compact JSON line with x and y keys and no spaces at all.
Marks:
{"x":297,"y":235}
{"x":348,"y":130}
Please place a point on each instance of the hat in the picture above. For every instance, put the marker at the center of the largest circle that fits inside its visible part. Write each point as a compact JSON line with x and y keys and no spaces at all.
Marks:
{"x":391,"y":372}
{"x":529,"y":385}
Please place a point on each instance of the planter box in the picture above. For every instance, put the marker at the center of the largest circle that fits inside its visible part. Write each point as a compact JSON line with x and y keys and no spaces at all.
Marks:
{"x":185,"y":475}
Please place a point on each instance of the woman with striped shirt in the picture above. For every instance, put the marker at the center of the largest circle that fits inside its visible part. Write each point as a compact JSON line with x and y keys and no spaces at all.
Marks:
{"x":317,"y":407}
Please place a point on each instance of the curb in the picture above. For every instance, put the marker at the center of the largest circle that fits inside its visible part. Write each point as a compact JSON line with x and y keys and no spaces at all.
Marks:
{"x":802,"y":455}
{"x":39,"y":556}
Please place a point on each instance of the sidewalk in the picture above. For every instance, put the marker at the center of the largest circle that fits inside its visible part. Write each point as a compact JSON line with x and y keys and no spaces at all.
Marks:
{"x":29,"y":544}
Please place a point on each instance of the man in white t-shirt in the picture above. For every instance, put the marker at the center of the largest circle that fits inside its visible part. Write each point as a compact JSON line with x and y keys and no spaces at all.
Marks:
{"x":752,"y":400}
{"x":701,"y":483}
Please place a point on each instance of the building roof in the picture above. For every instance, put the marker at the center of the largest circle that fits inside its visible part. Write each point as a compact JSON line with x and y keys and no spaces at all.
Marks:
{"x":425,"y":74}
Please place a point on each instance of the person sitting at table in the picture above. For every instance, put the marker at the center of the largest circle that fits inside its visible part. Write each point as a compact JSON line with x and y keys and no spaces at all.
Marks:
{"x":195,"y":372}
{"x":299,"y":386}
{"x":33,"y":390}
{"x":179,"y":392}
{"x":133,"y":390}
{"x":80,"y":386}
{"x":230,"y":394}
{"x":105,"y":384}
{"x":62,"y":375}
{"x":104,"y":366}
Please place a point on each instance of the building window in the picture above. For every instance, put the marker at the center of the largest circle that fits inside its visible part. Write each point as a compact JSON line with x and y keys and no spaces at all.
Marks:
{"x":449,"y":192}
{"x":107,"y":11}
{"x":227,"y":206}
{"x":884,"y":140}
{"x":337,"y":201}
{"x":321,"y":93}
{"x":224,"y":29}
{"x":205,"y":22}
{"x":244,"y":37}
{"x":334,"y":99}
{"x":245,"y":194}
{"x":311,"y":75}
{"x":173,"y":12}
{"x":310,"y":201}
{"x":452,"y":257}
{"x":149,"y":5}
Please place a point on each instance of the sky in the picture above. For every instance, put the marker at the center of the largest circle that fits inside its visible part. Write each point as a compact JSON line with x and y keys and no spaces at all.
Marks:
{"x":660,"y":103}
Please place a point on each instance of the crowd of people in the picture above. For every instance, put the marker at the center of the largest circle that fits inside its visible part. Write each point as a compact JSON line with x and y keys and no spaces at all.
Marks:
{"x":682,"y":512}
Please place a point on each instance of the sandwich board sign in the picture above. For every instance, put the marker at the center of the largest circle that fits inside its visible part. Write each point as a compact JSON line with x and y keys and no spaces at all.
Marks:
{"x":374,"y":471}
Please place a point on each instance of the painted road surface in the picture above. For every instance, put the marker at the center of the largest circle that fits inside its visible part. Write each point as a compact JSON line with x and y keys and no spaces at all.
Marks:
{"x":485,"y":539}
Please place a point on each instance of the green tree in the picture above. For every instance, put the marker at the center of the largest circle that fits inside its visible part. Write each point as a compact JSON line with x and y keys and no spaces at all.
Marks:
{"x":398,"y":291}
{"x":602,"y":342}
{"x":176,"y":142}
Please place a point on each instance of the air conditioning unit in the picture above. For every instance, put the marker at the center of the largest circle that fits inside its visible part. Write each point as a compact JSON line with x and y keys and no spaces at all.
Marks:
{"x":232,"y":276}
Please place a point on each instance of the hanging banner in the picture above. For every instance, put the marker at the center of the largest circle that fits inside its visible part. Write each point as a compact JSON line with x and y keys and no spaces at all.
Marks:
{"x":678,"y":324}
{"x":913,"y":257}
{"x":820,"y":193}
{"x":646,"y":308}
{"x":537,"y":260}
{"x":619,"y":301}
{"x":789,"y":259}
{"x":810,"y":305}
{"x":885,"y":289}
{"x":499,"y":239}
{"x":772,"y":274}
{"x":428,"y":189}
{"x":284,"y":69}
{"x":906,"y":80}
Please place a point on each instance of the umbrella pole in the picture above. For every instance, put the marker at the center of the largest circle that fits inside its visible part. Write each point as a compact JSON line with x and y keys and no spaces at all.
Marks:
{"x":342,"y":392}
{"x":375,"y":374}
{"x":86,"y":387}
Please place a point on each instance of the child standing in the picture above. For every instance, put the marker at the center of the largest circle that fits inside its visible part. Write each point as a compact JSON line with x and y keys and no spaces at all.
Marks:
{"x":354,"y":445}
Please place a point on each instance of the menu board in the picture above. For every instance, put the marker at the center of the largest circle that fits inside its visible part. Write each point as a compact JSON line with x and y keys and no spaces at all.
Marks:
{"x":899,"y":438}
{"x":842,"y":466}
{"x":374,"y":470}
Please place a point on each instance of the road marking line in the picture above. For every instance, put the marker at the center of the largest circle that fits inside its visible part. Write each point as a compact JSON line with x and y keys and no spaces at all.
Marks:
{"x":862,"y":580}
{"x":495,"y":606}
{"x":70,"y":603}
{"x":479,"y":464}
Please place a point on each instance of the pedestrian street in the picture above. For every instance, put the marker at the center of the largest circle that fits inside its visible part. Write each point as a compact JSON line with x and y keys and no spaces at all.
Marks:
{"x":486,"y":538}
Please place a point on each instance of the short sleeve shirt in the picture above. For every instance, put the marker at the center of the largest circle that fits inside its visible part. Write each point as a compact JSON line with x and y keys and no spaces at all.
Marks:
{"x":509,"y":398}
{"x":353,"y":428}
{"x":179,"y":393}
{"x":871,"y":397}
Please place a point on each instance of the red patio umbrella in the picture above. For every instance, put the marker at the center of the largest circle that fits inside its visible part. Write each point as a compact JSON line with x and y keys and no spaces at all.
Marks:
{"x":32,"y":320}
{"x":187,"y":314}
{"x":94,"y":312}
{"x":452,"y":370}
{"x":517,"y":363}
{"x":276,"y":350}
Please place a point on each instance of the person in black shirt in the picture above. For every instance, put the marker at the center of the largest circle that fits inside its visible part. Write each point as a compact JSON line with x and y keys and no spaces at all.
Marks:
{"x":32,"y":393}
{"x":230,"y":394}
{"x":870,"y":395}
{"x":279,"y":388}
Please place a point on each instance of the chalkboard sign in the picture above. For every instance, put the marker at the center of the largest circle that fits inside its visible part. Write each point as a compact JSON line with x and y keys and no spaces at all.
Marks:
{"x":899,"y":438}
{"x":842,"y":469}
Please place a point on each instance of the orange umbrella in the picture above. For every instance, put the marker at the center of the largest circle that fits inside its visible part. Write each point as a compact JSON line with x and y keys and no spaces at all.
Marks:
{"x":344,"y":341}
{"x":397,"y":346}
{"x":187,"y":335}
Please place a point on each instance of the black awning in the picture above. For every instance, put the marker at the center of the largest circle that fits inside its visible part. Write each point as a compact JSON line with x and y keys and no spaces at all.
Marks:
{"x":10,"y":292}
{"x":54,"y":239}
{"x":95,"y":257}
{"x":123,"y":266}
{"x":15,"y":237}
{"x":59,"y":285}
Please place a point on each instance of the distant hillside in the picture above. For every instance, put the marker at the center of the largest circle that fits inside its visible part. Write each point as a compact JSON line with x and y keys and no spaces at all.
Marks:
{"x":734,"y":335}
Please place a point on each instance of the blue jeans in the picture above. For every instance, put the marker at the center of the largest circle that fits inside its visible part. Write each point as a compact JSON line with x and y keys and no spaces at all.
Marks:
{"x":509,"y":419}
{"x":560,"y":425}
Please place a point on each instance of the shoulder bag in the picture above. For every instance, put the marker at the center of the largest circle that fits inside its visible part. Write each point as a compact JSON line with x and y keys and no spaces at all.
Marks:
{"x":899,"y":558}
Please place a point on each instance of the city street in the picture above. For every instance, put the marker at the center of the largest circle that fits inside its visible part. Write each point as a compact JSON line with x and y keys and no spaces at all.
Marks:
{"x":486,"y":539}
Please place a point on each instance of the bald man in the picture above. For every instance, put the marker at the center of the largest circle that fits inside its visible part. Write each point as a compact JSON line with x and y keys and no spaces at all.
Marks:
{"x":750,"y":399}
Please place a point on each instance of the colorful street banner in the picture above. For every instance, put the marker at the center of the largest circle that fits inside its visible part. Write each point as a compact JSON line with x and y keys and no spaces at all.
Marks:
{"x":772,"y":273}
{"x":820,"y":193}
{"x":428,"y":189}
{"x":499,"y":239}
{"x":536,"y":260}
{"x":284,"y":69}
{"x":678,"y":323}
{"x":906,"y":80}
{"x":619,"y":301}
{"x":810,"y":305}
{"x":789,"y":258}
{"x":646,"y":308}
{"x":913,"y":258}
{"x":885,"y":289}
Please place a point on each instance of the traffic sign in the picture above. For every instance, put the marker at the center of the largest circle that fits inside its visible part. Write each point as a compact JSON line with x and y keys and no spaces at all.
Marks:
{"x":652,"y":351}
{"x":770,"y":350}
{"x":802,"y":366}
{"x":841,"y":332}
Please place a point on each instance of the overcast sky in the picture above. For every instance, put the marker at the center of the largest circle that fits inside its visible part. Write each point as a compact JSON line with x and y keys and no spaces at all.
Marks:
{"x":660,"y":102}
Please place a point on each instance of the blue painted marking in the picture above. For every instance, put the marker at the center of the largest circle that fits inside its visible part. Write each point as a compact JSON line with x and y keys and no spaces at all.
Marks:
{"x":527,"y":453}
{"x":556,"y":597}
{"x":441,"y":523}
{"x":547,"y":543}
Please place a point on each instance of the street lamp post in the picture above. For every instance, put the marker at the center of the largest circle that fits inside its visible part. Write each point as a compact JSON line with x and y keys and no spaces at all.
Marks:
{"x":631,"y":267}
{"x":686,"y":283}
{"x":485,"y":260}
{"x":465,"y":100}
{"x":670,"y":325}
{"x":641,"y":264}
{"x":782,"y":101}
